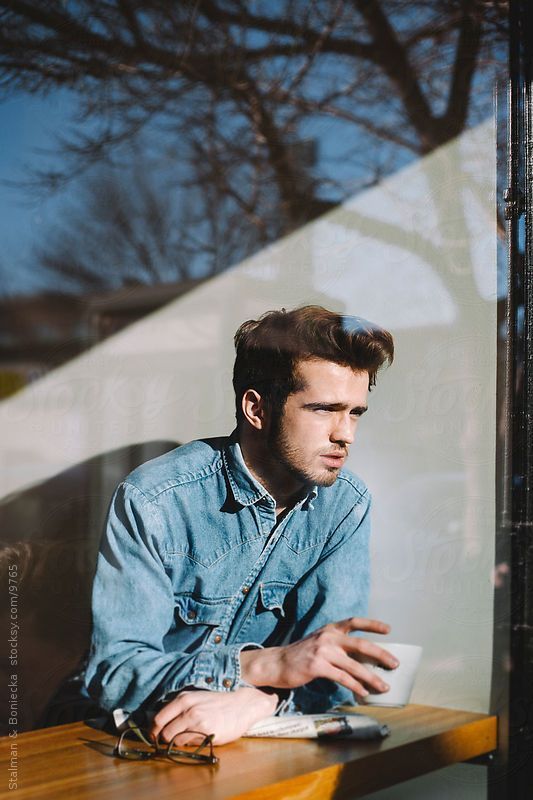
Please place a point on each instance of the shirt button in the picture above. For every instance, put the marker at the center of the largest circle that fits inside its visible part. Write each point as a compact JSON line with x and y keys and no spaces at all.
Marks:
{"x":209,"y":679}
{"x":245,"y":589}
{"x":217,"y":639}
{"x":191,"y":614}
{"x":227,"y":683}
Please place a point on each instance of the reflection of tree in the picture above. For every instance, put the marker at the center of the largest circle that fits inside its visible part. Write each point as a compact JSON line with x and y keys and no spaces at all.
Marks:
{"x":121,"y":223}
{"x":226,"y":102}
{"x":240,"y":88}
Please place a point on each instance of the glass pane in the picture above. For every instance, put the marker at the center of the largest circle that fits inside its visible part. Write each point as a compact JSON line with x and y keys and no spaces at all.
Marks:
{"x":171,"y":170}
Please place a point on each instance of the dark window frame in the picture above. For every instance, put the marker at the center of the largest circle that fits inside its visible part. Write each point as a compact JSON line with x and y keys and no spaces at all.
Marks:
{"x":511,"y":775}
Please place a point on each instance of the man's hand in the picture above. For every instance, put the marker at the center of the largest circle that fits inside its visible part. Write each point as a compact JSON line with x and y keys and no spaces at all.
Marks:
{"x":226,"y":714}
{"x":328,"y":652}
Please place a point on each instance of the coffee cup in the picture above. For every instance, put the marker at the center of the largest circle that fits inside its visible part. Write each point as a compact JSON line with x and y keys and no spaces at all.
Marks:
{"x":399,"y":680}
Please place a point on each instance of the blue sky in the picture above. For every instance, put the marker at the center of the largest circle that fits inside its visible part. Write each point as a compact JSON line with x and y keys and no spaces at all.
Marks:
{"x":28,"y":125}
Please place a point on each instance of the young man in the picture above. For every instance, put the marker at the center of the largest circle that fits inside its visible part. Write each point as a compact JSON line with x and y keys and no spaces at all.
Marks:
{"x":233,"y":570}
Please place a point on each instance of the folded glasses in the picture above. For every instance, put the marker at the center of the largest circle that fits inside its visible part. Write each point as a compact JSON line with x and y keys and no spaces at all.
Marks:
{"x":134,"y":744}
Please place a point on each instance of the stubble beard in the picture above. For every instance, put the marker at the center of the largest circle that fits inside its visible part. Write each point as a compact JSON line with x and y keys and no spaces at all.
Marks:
{"x":290,"y":458}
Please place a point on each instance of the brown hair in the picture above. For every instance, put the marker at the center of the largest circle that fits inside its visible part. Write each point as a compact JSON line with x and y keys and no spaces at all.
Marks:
{"x":269,"y":349}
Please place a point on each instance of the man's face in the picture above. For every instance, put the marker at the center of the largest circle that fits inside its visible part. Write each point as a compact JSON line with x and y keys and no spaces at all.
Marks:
{"x":317,"y":425}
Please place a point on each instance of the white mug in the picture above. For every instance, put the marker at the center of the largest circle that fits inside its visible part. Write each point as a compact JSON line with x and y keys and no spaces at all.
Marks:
{"x":400,"y":680}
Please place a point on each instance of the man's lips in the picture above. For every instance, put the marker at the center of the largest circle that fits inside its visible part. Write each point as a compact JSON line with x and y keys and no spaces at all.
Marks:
{"x":334,"y":459}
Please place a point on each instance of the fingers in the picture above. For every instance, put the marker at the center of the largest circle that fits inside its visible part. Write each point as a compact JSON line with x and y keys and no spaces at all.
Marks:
{"x":169,"y":712}
{"x":357,"y":683}
{"x":181,"y":718}
{"x":175,"y":732}
{"x":342,"y":677}
{"x":363,"y":650}
{"x":362,"y":624}
{"x":365,"y":678}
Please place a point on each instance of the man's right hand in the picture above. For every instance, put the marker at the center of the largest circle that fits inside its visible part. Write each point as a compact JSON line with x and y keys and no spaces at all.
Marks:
{"x":328,"y":652}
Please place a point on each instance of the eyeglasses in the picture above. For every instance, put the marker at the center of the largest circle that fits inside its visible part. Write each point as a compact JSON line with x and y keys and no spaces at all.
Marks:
{"x":134,"y":744}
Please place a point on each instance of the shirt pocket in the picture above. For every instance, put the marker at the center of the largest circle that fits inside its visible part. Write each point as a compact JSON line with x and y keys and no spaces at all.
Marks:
{"x":193,"y":611}
{"x":273,"y":597}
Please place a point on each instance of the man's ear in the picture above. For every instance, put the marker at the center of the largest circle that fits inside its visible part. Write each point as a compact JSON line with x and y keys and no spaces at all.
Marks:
{"x":254,"y":409}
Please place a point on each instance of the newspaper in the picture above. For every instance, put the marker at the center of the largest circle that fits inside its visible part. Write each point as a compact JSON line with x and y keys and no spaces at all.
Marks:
{"x":318,"y":726}
{"x":303,"y":726}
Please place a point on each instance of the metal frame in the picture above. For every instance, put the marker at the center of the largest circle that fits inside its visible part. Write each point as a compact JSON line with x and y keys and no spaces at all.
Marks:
{"x":511,"y":776}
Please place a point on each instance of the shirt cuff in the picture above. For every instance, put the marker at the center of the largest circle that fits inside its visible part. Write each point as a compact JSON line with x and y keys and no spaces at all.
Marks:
{"x":220,"y":670}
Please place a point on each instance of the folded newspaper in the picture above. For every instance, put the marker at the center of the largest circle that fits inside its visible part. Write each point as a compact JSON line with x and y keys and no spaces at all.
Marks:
{"x":318,"y":726}
{"x":303,"y":726}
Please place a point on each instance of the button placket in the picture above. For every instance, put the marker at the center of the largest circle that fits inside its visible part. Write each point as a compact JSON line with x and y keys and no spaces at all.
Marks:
{"x":240,"y":597}
{"x":237,"y":603}
{"x":235,"y":607}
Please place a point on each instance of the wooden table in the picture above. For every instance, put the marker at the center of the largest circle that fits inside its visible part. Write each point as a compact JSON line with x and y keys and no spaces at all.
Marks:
{"x":75,"y":762}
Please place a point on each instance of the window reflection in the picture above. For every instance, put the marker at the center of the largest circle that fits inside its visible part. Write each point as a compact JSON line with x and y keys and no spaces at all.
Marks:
{"x":187,"y":138}
{"x":207,"y":161}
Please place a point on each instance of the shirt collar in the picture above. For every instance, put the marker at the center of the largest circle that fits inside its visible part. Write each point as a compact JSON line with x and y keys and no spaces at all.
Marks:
{"x":245,"y":488}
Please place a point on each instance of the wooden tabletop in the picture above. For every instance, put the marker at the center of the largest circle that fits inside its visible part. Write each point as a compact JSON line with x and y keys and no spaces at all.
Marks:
{"x":76,"y":761}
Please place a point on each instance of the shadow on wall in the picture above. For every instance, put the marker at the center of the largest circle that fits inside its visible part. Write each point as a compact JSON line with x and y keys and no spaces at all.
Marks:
{"x":50,"y":537}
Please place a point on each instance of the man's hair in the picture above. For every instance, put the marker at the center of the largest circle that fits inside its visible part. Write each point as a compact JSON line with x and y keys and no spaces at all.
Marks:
{"x":270,"y":348}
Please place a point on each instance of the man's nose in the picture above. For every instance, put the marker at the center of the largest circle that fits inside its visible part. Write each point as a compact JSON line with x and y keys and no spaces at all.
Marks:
{"x":343,"y":431}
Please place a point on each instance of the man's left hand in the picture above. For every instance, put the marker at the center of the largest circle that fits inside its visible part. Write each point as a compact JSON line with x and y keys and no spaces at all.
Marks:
{"x":227,"y":715}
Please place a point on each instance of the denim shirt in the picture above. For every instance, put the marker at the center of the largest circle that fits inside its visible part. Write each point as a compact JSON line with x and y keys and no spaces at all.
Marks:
{"x":193,"y":568}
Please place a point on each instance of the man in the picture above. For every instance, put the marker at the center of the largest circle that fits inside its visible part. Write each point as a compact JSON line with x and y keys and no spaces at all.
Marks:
{"x":233,"y":570}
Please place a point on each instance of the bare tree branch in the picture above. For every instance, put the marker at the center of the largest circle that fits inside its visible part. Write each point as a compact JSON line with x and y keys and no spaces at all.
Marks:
{"x":235,"y":88}
{"x":464,"y":67}
{"x":394,"y":61}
